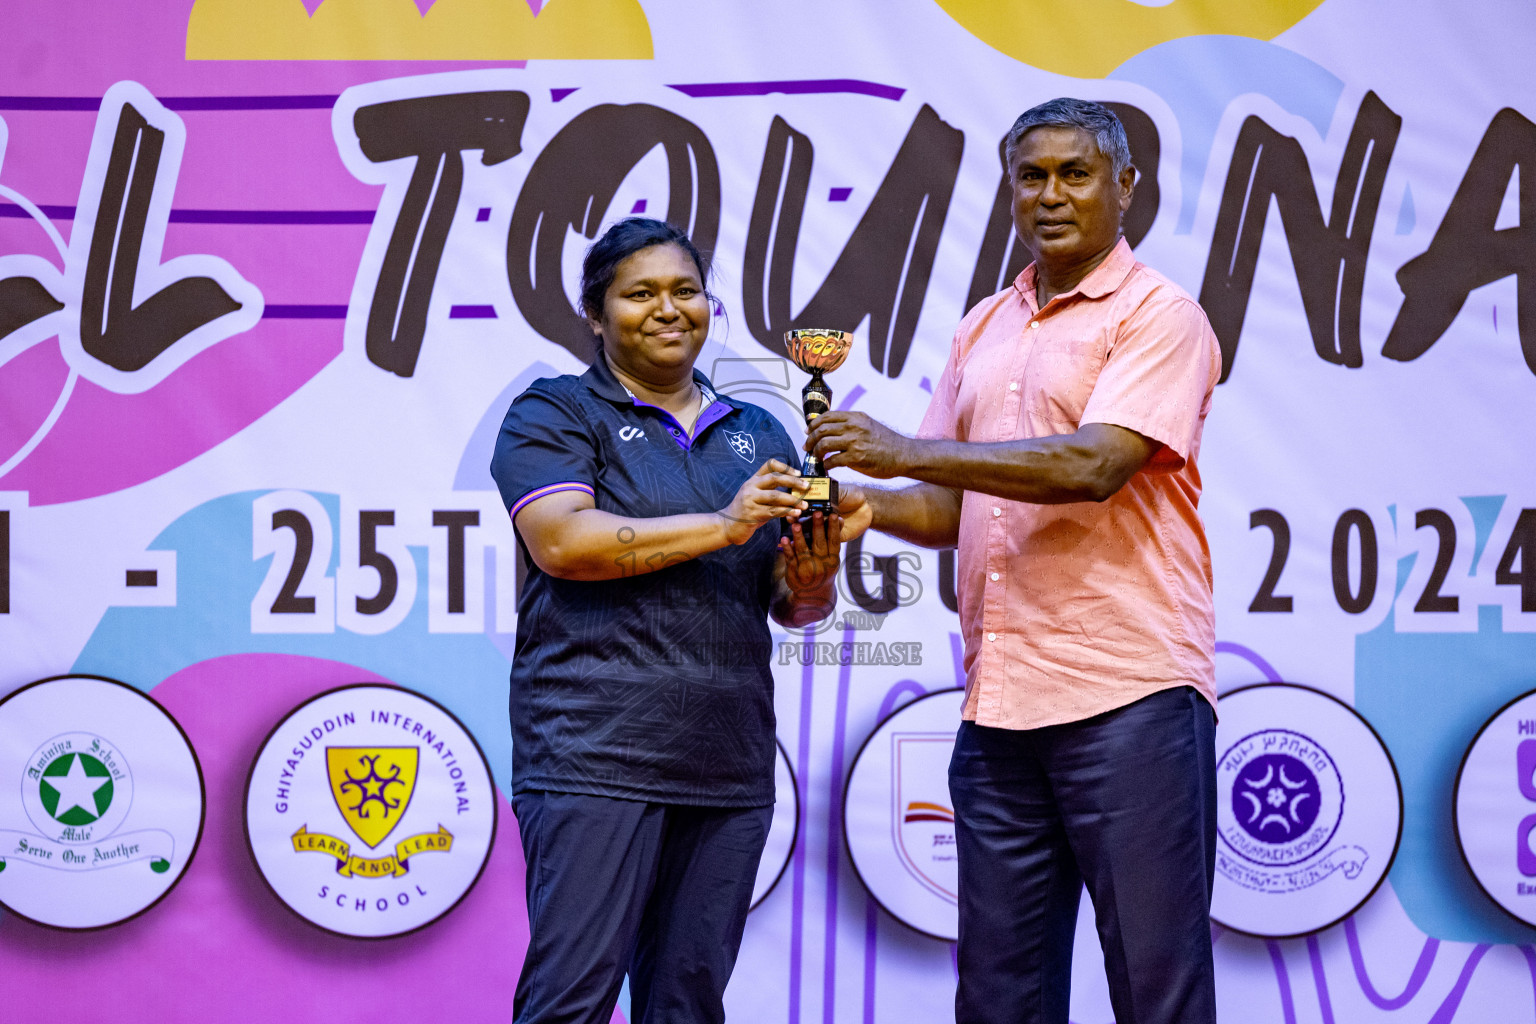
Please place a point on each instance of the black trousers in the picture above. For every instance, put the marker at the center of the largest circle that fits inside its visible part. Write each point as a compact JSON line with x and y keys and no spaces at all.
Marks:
{"x":658,"y":891}
{"x":1124,"y":802}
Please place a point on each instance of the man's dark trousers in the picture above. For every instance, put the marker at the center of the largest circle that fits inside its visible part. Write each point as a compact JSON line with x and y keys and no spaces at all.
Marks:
{"x":659,"y":891}
{"x":1124,"y":802}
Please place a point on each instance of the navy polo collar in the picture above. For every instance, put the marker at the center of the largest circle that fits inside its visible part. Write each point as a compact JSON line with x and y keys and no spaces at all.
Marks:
{"x":599,"y":377}
{"x":601,"y":380}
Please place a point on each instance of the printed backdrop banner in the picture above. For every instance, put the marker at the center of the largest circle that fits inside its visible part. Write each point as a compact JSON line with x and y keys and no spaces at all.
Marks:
{"x":270,"y":273}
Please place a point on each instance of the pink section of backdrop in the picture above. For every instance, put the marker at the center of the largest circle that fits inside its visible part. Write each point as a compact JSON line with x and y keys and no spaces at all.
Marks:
{"x":220,"y":947}
{"x":235,"y":160}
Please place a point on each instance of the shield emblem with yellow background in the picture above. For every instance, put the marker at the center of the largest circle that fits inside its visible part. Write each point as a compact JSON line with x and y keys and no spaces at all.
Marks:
{"x":372,"y":787}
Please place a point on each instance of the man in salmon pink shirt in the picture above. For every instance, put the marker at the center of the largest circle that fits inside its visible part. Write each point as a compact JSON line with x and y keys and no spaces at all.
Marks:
{"x":1059,"y":455}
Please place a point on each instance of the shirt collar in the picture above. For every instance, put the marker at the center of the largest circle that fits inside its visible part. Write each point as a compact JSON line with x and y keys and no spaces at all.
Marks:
{"x":599,"y":377}
{"x":1101,"y":280}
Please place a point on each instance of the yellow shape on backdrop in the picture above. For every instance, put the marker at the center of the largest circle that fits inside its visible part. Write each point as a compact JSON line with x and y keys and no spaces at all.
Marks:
{"x":372,"y":787}
{"x":1090,"y":38}
{"x":397,"y":30}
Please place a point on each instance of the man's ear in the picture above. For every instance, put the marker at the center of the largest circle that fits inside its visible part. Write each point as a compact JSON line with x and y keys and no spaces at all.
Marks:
{"x":1127,"y":186}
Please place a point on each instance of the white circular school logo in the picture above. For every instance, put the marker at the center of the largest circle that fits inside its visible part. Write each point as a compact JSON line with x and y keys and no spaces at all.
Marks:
{"x":897,"y":816}
{"x":103,"y":809}
{"x":1496,"y":808}
{"x":1308,"y":811}
{"x":782,"y":832}
{"x":370,"y":811}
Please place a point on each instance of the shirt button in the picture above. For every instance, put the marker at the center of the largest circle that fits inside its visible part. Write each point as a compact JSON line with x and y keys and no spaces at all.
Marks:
{"x":991,"y":636}
{"x":1013,"y":386}
{"x":1034,"y":325}
{"x":996,"y":511}
{"x":994,"y":577}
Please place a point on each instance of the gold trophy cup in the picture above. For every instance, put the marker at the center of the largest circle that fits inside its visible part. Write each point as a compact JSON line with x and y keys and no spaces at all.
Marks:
{"x":817,"y":351}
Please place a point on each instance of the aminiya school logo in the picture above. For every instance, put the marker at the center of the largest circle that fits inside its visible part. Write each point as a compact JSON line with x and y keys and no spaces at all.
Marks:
{"x":91,"y":848}
{"x":370,"y":811}
{"x":77,"y":790}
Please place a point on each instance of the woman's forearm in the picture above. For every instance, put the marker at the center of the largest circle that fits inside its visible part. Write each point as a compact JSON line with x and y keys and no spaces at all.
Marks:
{"x":595,"y":545}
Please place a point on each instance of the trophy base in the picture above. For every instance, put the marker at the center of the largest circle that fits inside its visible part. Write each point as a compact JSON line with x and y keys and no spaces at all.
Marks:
{"x":820,"y":490}
{"x":821,"y":495}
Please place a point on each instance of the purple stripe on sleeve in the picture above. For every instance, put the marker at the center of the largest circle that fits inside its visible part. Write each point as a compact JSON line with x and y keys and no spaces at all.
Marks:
{"x":536,"y":494}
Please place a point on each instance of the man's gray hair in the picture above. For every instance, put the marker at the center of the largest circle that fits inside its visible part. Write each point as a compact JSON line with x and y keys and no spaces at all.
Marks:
{"x":1065,"y":112}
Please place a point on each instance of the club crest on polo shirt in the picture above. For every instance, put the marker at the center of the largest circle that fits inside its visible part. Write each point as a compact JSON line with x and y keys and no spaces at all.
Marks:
{"x":742,"y":444}
{"x":370,"y":811}
{"x":105,"y":803}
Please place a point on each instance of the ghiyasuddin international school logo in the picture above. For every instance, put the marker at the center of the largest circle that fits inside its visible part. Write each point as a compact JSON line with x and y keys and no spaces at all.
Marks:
{"x":370,"y":811}
{"x":1308,"y":811}
{"x":84,"y":842}
{"x":373,"y":788}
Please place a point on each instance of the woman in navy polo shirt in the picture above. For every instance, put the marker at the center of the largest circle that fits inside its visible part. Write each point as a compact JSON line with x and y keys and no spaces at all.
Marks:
{"x":642,"y":701}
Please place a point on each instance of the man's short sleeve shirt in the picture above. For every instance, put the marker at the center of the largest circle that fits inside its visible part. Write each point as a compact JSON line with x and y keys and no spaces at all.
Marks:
{"x":1072,"y":610}
{"x":653,"y":686}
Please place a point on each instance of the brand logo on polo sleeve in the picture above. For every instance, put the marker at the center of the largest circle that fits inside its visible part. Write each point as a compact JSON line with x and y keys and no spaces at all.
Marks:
{"x":105,"y":804}
{"x":370,"y":811}
{"x":1308,"y":811}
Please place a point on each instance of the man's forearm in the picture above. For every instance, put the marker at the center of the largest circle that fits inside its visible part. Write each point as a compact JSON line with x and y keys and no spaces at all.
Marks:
{"x":924,"y":514}
{"x":1090,"y":465}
